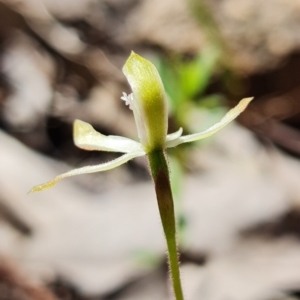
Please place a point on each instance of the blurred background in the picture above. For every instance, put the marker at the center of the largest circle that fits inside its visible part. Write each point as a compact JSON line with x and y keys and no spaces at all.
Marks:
{"x":98,"y":236}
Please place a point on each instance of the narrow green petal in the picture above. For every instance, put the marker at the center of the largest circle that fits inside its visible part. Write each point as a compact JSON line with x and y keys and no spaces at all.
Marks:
{"x":230,"y":116}
{"x":87,"y":138}
{"x":88,"y":169}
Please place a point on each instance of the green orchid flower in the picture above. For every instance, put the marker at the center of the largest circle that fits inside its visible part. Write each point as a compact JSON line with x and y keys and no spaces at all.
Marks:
{"x":148,"y":103}
{"x":149,"y":106}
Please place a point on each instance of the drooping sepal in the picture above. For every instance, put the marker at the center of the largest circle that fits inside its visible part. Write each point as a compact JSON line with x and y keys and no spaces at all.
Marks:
{"x":86,"y":170}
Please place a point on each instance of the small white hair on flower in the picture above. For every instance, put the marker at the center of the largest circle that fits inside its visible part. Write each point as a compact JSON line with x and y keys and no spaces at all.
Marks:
{"x":128,"y":99}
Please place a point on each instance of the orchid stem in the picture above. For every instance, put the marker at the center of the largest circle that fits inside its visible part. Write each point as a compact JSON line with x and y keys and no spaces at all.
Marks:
{"x":160,"y":173}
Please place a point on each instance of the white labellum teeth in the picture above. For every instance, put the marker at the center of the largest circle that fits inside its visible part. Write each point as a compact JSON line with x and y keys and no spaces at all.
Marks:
{"x":128,"y":99}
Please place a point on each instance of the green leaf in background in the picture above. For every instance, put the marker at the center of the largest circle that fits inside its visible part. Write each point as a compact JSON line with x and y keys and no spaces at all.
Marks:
{"x":194,"y":75}
{"x":169,"y":76}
